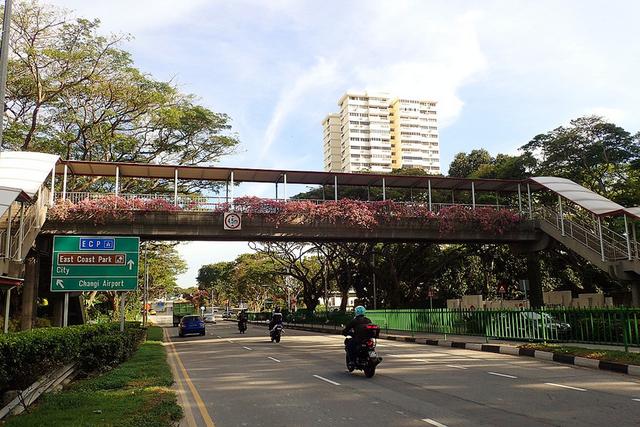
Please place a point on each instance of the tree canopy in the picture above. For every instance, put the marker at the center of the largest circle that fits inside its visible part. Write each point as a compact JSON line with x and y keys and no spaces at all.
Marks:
{"x":74,"y":92}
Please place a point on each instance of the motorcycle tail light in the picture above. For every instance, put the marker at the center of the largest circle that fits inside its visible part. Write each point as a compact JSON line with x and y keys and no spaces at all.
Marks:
{"x":370,"y":343}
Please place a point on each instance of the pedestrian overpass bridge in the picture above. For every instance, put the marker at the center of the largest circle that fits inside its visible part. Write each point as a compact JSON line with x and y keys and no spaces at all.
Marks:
{"x":527,"y":214}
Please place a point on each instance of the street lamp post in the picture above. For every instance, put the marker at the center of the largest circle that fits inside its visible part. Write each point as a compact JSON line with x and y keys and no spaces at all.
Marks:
{"x":4,"y":59}
{"x":373,"y":279}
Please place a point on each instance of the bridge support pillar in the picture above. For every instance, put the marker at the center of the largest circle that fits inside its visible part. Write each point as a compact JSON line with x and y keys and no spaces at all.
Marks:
{"x":535,"y":283}
{"x":30,"y":292}
{"x":635,"y":293}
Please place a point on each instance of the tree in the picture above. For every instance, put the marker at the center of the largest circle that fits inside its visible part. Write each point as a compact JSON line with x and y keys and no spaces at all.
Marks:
{"x":73,"y":92}
{"x":594,"y":153}
{"x":463,"y":165}
{"x":217,"y":277}
{"x":297,"y":260}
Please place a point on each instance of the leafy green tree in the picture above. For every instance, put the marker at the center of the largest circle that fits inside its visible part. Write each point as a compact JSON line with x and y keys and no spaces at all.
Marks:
{"x":74,"y":92}
{"x":594,"y":153}
{"x":463,"y":165}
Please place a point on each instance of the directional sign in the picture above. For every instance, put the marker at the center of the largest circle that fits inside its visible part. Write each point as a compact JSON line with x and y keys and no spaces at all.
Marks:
{"x":90,"y":263}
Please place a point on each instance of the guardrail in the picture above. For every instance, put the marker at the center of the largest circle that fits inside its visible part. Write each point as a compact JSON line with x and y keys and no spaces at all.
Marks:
{"x":613,"y":326}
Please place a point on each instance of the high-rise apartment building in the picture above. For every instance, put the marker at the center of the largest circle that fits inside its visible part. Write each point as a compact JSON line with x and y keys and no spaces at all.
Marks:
{"x":376,"y":132}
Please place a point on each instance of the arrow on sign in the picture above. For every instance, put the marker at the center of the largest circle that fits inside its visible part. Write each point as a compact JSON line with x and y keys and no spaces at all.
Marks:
{"x":130,"y":263}
{"x":60,"y":283}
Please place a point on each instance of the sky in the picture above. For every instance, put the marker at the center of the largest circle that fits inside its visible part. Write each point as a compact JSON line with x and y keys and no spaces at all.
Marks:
{"x":501,"y":71}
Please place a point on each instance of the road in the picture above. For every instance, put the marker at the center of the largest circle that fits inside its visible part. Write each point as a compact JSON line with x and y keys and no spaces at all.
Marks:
{"x":245,"y":380}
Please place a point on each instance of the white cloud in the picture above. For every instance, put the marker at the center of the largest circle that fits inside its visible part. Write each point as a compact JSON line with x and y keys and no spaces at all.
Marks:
{"x":133,"y":16}
{"x":322,"y":73}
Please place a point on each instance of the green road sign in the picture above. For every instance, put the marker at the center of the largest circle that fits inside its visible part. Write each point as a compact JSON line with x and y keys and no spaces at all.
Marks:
{"x":94,"y":263}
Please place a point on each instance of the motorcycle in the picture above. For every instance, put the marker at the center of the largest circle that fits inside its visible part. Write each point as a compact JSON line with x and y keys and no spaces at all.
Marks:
{"x":242,"y":326}
{"x":366,"y":357}
{"x":276,"y":333}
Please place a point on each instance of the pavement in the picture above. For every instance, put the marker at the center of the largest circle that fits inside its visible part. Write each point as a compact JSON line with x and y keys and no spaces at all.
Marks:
{"x":229,"y":379}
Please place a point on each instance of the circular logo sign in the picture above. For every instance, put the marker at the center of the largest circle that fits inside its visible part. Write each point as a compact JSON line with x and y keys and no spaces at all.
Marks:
{"x":232,"y":221}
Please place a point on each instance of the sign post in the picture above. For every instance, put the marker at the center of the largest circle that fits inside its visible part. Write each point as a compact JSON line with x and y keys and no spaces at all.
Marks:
{"x":431,"y":295}
{"x":122,"y":304}
{"x":65,"y":313}
{"x":82,"y":263}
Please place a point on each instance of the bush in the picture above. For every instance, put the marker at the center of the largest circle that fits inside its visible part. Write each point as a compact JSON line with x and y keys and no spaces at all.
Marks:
{"x":26,"y":356}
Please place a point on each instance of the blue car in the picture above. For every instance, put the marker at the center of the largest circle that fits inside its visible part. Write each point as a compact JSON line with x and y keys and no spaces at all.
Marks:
{"x":191,"y":325}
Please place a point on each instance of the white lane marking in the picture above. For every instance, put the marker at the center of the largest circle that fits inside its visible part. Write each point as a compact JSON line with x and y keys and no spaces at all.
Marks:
{"x":433,"y":422}
{"x":637,"y":400}
{"x":230,"y":341}
{"x":274,"y":359}
{"x":456,"y":366}
{"x":419,"y":360}
{"x":218,"y":336}
{"x":566,"y":386}
{"x":247,"y":348}
{"x":501,"y":375}
{"x":324,"y":379}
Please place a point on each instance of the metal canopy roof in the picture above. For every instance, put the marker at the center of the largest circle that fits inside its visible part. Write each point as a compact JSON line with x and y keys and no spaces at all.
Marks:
{"x":7,"y":282}
{"x":9,"y":195}
{"x":582,"y":196}
{"x":25,"y":170}
{"x":210,"y":173}
{"x":635,"y":211}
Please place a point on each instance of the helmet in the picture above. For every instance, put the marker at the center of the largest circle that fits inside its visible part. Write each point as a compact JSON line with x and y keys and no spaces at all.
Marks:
{"x":360,"y":310}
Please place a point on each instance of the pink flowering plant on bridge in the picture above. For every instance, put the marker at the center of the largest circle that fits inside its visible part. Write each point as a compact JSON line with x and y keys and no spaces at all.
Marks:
{"x":353,"y":213}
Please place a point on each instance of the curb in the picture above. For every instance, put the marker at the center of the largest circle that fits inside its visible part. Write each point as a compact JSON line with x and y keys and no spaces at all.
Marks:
{"x":568,"y":359}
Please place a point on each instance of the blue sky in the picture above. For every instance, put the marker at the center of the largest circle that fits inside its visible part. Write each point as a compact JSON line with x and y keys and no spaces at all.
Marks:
{"x":501,"y":71}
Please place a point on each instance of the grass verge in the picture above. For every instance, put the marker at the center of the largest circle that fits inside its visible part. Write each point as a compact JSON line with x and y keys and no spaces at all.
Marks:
{"x":136,"y":393}
{"x":590,"y":353}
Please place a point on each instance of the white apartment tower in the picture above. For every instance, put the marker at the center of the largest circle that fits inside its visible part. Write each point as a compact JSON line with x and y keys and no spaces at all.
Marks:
{"x":378,"y":133}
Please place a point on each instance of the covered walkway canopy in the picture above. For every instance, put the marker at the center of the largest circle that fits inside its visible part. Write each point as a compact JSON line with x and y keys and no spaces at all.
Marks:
{"x":592,"y":202}
{"x":210,"y":173}
{"x":565,"y":188}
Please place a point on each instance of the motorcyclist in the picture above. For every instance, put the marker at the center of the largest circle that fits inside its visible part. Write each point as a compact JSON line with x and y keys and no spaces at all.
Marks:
{"x":276,"y":318}
{"x":357,"y":331}
{"x":242,"y":318}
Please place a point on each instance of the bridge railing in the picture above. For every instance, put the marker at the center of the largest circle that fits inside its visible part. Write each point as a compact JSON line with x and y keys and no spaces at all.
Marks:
{"x":197,"y":203}
{"x":609,"y":244}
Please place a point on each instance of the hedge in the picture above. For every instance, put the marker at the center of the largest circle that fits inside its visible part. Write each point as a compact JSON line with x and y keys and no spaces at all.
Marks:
{"x":26,"y":356}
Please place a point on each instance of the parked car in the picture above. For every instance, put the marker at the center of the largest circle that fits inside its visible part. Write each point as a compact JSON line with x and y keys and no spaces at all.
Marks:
{"x":209,"y":318}
{"x":226,"y":315}
{"x":191,"y":324}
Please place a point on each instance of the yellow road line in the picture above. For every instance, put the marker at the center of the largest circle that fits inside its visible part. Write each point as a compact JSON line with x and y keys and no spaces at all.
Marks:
{"x":182,"y":392}
{"x":201,"y":406}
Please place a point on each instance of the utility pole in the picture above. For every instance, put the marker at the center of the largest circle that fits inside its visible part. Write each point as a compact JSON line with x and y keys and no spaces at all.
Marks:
{"x":373,"y":279}
{"x":4,"y":59}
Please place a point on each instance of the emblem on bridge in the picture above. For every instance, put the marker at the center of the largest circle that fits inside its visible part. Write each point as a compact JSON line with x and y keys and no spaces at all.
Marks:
{"x":232,"y":221}
{"x":94,"y":263}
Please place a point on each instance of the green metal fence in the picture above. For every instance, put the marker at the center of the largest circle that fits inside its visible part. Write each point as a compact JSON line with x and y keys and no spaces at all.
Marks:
{"x":617,"y":326}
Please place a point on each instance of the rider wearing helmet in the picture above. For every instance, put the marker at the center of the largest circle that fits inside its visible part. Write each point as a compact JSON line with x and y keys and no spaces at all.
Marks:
{"x":356,"y":329}
{"x":276,"y":318}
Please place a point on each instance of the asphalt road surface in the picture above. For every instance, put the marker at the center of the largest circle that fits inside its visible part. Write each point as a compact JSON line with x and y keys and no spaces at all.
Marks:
{"x":228,"y":379}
